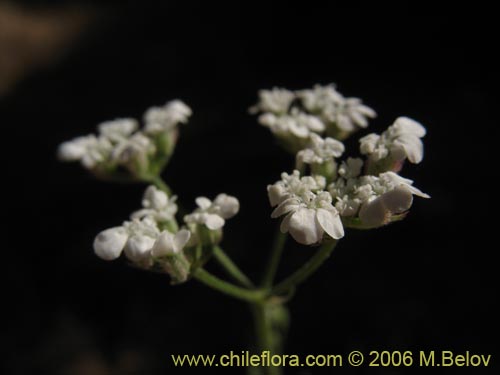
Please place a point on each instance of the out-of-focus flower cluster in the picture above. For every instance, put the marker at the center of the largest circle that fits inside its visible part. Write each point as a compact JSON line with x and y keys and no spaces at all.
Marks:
{"x":121,"y":150}
{"x":357,"y":193}
{"x":152,"y":239}
{"x":292,"y":116}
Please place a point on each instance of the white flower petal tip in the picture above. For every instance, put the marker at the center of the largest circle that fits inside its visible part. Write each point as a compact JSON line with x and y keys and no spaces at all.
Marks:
{"x":109,"y":244}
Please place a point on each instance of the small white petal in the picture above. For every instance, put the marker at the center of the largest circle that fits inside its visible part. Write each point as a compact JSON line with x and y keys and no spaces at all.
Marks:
{"x":138,"y":247}
{"x":276,"y":193}
{"x":214,"y":222}
{"x":203,"y":202}
{"x":164,"y":245}
{"x":109,"y":244}
{"x":181,"y":239}
{"x":285,"y":223}
{"x":71,"y":151}
{"x":303,"y":228}
{"x":229,"y":206}
{"x":359,"y":119}
{"x":398,"y":200}
{"x":330,"y":222}
{"x":284,"y":207}
{"x":366,"y":111}
{"x":408,"y":125}
{"x":373,"y":213}
{"x":413,"y":147}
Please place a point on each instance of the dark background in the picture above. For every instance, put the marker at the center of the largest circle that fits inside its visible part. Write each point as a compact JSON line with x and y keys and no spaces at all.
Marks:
{"x":427,"y":283}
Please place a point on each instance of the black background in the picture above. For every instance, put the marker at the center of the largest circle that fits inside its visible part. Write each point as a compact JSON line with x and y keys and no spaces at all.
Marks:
{"x":429,"y":282}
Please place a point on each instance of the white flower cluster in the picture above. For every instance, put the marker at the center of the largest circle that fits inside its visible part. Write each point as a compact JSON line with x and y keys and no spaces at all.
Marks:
{"x":120,"y":143}
{"x":138,"y":237}
{"x":308,"y":208}
{"x":351,"y":198}
{"x":374,"y":200}
{"x":400,"y":141}
{"x":152,"y":238}
{"x":295,"y":115}
{"x":346,"y":114}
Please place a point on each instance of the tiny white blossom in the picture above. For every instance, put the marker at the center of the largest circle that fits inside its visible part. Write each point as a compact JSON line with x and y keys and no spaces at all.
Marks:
{"x":168,"y":244}
{"x":276,"y":101}
{"x":213,"y":214}
{"x":400,"y":141}
{"x":320,"y":150}
{"x":160,"y":119}
{"x":308,"y":209}
{"x":309,"y":216}
{"x":157,"y":204}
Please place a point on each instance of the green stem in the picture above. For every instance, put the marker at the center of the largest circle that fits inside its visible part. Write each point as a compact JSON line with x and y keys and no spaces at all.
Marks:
{"x":227,"y":288}
{"x":263,"y":333}
{"x":306,"y":270}
{"x":274,"y":259}
{"x":231,"y":268}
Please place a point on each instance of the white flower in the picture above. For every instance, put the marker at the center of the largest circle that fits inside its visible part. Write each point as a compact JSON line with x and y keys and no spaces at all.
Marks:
{"x":320,"y":150}
{"x":276,"y":101}
{"x":296,"y":123}
{"x":160,"y":119}
{"x":400,"y":141}
{"x":213,"y":214}
{"x":309,"y":216}
{"x":308,"y":209}
{"x":347,"y":114}
{"x":156,"y":204}
{"x":169,"y":244}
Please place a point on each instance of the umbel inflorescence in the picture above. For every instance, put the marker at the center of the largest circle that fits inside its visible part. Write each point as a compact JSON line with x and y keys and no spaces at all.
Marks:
{"x":319,"y":199}
{"x":323,"y":195}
